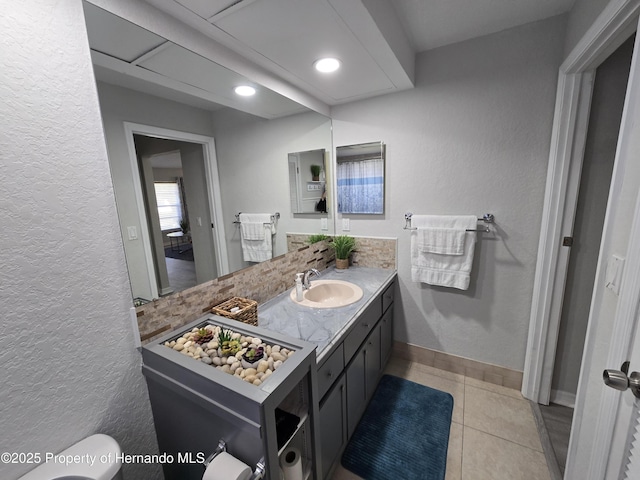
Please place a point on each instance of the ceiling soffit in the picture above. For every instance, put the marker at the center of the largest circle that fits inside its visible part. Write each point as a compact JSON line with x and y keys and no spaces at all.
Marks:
{"x":287,"y":36}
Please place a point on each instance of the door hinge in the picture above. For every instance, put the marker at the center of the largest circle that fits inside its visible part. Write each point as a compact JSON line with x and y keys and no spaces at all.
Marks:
{"x":567,"y":241}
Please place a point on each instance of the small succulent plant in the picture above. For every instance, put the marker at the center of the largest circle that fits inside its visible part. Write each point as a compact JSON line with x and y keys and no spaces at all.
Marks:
{"x":203,"y":336}
{"x":228,"y":346}
{"x":254,"y":354}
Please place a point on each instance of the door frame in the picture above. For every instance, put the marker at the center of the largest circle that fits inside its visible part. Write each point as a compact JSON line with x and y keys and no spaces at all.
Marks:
{"x":213,"y":188}
{"x":573,"y":99}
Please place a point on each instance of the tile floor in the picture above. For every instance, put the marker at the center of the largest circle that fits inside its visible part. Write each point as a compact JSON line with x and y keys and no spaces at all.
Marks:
{"x":493,"y":433}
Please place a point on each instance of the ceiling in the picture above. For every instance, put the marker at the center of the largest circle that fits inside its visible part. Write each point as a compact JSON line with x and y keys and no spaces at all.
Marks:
{"x":376,"y":41}
{"x":435,"y":23}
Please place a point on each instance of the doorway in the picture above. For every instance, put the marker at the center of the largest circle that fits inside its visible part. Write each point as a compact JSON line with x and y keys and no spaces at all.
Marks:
{"x":169,"y":189}
{"x":161,"y":158}
{"x":606,"y":107}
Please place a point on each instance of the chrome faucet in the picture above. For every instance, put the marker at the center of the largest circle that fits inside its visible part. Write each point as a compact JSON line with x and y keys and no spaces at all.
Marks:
{"x":306,"y":283}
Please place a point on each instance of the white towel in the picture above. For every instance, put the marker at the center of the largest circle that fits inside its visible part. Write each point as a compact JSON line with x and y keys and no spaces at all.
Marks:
{"x":256,"y":231}
{"x":442,"y":249}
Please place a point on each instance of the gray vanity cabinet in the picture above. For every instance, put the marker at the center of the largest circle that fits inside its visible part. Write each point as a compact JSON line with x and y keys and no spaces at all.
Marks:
{"x":350,"y":376}
{"x":195,"y":405}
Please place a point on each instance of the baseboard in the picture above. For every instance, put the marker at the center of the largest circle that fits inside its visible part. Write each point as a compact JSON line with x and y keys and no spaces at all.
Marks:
{"x":565,"y":399}
{"x":464,"y":366}
{"x":166,"y":291}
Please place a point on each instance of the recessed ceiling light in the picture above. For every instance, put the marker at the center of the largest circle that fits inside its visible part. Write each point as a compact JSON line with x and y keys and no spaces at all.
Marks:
{"x":245,"y":90}
{"x":327,"y":65}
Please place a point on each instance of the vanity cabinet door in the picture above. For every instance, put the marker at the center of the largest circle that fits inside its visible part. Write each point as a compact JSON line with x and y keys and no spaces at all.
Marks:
{"x":372,"y":365}
{"x":363,"y":375}
{"x":356,"y":390}
{"x":386,"y":337}
{"x":333,"y":425}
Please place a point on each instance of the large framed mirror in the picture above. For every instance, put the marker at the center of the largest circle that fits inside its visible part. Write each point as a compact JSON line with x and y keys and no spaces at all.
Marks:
{"x":360,"y":178}
{"x":173,"y":124}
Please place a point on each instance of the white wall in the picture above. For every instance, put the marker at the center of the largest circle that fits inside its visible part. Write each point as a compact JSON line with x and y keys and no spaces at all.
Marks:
{"x":119,"y":105}
{"x":471,"y":138}
{"x":69,"y":367}
{"x":254,"y":171}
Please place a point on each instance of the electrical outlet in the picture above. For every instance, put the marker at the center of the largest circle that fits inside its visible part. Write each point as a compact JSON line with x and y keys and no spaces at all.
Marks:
{"x":346,"y":225}
{"x":199,"y":221}
{"x":324,"y":224}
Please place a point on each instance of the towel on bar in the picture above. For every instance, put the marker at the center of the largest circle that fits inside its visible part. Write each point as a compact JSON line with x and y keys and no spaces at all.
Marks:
{"x":442,"y":249}
{"x":256,"y":230}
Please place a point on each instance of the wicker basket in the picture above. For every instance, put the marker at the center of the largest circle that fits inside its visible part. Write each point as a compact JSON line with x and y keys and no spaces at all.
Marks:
{"x":248,"y":312}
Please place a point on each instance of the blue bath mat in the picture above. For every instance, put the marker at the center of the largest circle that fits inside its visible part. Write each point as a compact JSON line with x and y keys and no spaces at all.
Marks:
{"x":403,"y":434}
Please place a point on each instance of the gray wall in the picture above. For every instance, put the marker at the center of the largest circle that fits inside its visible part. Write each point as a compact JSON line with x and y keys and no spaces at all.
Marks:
{"x":69,"y":366}
{"x":254,"y":171}
{"x":471,"y":138}
{"x":582,"y":16}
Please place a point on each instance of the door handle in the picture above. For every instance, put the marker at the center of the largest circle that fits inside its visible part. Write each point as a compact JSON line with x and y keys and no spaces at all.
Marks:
{"x":619,"y":380}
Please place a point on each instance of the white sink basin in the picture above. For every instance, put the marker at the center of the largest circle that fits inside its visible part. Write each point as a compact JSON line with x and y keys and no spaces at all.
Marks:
{"x":329,"y":294}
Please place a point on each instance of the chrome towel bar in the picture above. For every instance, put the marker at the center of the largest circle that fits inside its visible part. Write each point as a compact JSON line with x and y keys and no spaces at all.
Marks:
{"x":274,"y":218}
{"x":486,"y":218}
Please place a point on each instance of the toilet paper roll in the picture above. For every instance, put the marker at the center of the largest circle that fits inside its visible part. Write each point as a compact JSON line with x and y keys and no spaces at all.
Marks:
{"x":291,"y":464}
{"x":226,"y":467}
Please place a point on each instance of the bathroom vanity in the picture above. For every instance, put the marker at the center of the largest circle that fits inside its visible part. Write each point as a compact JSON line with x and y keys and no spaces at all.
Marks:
{"x":354,"y":345}
{"x":340,"y":354}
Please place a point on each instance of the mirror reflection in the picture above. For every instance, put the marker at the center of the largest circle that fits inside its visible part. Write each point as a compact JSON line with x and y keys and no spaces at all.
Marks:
{"x":307,"y":181}
{"x":186,"y":157}
{"x":360,"y":178}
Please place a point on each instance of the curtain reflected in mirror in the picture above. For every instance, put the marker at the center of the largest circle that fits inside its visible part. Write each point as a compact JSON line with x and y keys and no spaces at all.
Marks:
{"x":360,"y":178}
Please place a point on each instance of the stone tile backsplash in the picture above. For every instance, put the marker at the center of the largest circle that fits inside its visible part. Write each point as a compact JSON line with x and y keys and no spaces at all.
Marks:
{"x":259,"y":282}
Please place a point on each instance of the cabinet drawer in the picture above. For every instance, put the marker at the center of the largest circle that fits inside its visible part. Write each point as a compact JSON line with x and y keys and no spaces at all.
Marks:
{"x":361,"y":329}
{"x":330,"y":371}
{"x":387,"y":296}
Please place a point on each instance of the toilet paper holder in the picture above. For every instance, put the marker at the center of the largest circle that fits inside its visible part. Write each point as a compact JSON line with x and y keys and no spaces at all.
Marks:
{"x":258,"y":472}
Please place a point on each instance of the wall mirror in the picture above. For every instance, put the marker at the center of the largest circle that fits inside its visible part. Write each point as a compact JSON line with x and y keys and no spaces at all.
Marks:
{"x":171,"y":120}
{"x":308,"y":181}
{"x":360,"y":178}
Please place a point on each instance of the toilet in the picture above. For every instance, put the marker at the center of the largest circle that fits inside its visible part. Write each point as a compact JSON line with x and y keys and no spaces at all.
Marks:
{"x":107,"y":465}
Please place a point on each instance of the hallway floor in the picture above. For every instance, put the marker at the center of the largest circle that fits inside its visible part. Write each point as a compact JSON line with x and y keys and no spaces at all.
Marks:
{"x":493,"y":432}
{"x":182,"y":274}
{"x":557,"y":420}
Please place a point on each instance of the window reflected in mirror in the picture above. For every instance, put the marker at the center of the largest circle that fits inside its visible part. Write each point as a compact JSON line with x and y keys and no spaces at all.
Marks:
{"x":360,"y":178}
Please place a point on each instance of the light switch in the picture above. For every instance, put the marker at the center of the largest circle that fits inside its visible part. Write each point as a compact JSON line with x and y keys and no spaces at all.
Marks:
{"x":324,"y":224}
{"x":613,"y":277}
{"x":199,"y":221}
{"x":345,"y":225}
{"x":133,"y":233}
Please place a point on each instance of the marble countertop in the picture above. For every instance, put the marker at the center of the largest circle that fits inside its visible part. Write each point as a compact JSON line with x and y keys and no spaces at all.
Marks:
{"x":323,"y":326}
